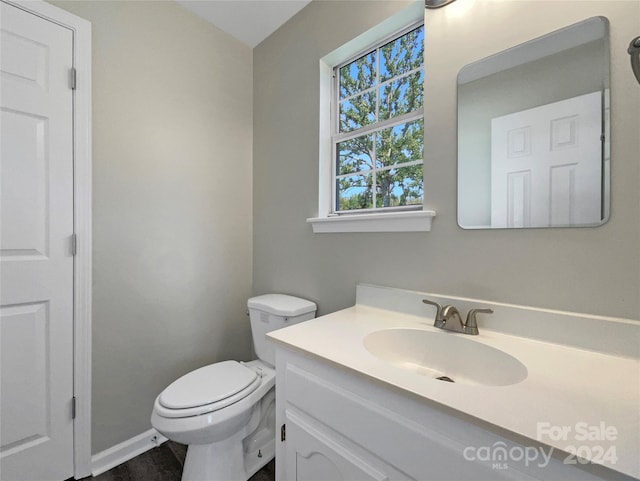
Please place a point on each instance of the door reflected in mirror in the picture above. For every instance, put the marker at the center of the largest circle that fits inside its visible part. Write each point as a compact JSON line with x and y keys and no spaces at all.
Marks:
{"x":533,"y":133}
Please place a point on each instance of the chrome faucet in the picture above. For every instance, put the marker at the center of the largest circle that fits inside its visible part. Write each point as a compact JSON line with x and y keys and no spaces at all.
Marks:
{"x":448,"y":318}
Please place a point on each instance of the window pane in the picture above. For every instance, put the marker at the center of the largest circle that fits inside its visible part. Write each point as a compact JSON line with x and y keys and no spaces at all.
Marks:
{"x":354,"y":155}
{"x":402,"y":55}
{"x":358,"y":111}
{"x":354,"y":192}
{"x":399,"y":144}
{"x":358,"y":75}
{"x":382,"y":85}
{"x":396,"y":187}
{"x":401,"y":96}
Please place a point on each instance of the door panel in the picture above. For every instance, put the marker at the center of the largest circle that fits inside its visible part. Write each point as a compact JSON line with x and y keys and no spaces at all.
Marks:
{"x":36,"y":226}
{"x":546,"y":165}
{"x":24,"y":392}
{"x":313,"y":456}
{"x":24,"y":184}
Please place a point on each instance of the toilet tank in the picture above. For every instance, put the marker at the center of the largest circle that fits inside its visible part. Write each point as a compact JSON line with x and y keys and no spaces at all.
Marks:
{"x":275,"y":311}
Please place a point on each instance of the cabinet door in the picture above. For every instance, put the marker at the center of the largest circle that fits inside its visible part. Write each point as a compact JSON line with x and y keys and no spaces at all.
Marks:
{"x":313,"y":456}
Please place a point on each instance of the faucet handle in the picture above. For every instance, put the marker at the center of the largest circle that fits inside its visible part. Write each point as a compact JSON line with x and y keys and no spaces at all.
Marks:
{"x":438,"y":308}
{"x":472,"y":324}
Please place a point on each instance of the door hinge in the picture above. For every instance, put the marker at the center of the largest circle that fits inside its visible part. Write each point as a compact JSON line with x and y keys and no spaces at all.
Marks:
{"x":73,"y":76}
{"x":283,"y":432}
{"x":73,"y":407}
{"x":74,"y":244}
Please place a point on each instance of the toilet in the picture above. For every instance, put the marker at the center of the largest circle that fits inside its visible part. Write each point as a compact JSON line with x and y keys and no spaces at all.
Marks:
{"x":225,"y":412}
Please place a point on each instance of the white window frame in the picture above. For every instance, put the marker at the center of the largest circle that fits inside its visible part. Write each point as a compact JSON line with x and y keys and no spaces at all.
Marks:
{"x":377,"y":126}
{"x":381,"y":220}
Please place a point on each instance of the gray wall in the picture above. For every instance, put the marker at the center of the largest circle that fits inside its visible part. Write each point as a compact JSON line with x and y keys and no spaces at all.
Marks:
{"x":594,"y":270}
{"x":172,"y":129}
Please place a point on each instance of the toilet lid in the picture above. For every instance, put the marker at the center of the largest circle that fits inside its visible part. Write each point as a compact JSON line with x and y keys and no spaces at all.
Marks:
{"x":207,"y":385}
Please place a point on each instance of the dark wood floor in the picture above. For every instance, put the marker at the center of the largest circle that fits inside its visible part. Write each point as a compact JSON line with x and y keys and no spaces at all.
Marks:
{"x":164,"y":463}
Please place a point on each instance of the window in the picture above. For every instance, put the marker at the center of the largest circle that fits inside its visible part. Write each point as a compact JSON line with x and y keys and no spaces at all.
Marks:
{"x":371,"y":120}
{"x":378,"y":126}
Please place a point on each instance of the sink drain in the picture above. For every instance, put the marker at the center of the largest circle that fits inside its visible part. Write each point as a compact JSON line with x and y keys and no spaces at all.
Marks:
{"x":445,"y":378}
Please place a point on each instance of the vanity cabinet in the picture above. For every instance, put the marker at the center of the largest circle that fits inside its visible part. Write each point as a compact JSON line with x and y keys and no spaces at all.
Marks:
{"x":335,"y":424}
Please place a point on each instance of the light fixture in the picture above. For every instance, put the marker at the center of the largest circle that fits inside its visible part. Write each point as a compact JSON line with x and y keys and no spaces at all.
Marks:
{"x":436,"y":3}
{"x":634,"y":51}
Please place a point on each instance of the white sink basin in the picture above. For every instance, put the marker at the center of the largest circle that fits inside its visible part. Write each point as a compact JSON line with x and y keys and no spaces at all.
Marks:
{"x":437,"y":354}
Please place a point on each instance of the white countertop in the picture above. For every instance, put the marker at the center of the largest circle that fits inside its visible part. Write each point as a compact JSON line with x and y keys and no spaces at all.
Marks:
{"x":565,"y":385}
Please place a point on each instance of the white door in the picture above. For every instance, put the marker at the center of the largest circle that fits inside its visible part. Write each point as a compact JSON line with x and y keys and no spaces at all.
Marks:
{"x":36,"y":262}
{"x":546,"y":165}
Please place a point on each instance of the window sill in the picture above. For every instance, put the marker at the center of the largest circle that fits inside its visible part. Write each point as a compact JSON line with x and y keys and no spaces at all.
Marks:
{"x":413,"y":221}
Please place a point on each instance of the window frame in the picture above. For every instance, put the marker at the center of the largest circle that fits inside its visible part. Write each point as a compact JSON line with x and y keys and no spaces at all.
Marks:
{"x":337,"y":136}
{"x":384,"y":220}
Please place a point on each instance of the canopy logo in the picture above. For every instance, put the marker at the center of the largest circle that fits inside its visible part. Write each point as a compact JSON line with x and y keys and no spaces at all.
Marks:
{"x":579,"y":444}
{"x":498,"y":454}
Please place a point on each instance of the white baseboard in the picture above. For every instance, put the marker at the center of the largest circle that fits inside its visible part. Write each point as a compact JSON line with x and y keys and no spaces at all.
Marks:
{"x":126,"y":450}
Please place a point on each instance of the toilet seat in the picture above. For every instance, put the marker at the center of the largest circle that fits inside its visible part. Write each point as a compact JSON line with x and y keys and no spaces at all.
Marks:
{"x":207,"y":389}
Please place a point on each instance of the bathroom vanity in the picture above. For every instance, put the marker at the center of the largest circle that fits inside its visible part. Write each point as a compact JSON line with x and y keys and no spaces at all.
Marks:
{"x":358,"y":395}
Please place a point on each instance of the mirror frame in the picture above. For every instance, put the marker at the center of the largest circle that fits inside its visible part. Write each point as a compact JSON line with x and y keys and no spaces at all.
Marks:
{"x":537,"y":49}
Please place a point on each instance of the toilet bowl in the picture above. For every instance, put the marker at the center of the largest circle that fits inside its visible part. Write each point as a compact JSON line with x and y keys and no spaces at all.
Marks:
{"x":225,"y":412}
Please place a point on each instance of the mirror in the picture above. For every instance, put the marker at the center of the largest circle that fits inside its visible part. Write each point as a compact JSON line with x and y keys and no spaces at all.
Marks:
{"x":533,"y":133}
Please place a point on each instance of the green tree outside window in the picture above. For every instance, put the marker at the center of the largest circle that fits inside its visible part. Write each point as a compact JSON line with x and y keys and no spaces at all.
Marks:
{"x":384,"y":164}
